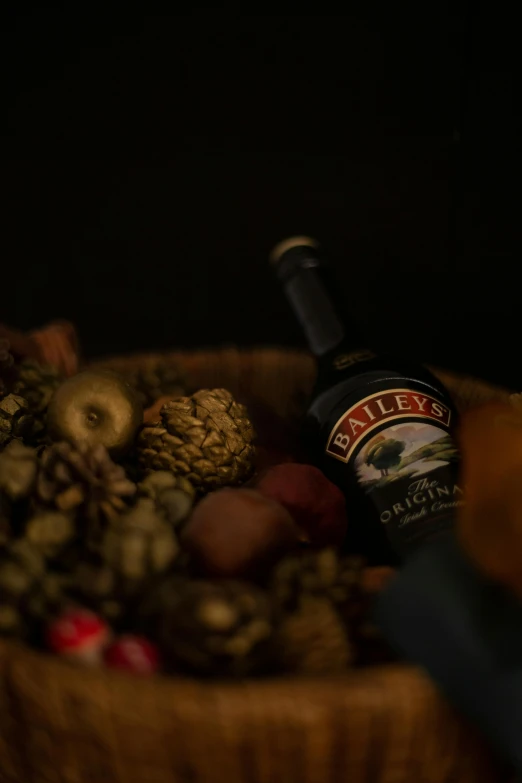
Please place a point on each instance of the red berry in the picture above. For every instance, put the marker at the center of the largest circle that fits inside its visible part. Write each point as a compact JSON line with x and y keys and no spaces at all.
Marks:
{"x":316,"y":505}
{"x":133,"y":654}
{"x":79,"y":634}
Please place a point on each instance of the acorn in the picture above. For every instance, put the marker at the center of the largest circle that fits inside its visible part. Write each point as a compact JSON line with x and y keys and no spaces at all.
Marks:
{"x":96,"y":406}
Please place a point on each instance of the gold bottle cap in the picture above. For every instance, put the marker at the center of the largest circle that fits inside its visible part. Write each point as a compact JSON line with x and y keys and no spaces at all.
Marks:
{"x":287,"y":244}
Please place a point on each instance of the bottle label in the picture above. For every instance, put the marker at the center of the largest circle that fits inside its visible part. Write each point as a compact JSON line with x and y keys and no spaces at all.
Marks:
{"x":397,"y":442}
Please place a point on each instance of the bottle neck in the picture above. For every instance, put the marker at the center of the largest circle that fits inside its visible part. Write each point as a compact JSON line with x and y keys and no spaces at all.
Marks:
{"x":312,"y":294}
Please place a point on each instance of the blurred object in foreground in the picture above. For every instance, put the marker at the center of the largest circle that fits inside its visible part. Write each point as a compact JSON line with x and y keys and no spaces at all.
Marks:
{"x":466,"y":632}
{"x":490,"y":523}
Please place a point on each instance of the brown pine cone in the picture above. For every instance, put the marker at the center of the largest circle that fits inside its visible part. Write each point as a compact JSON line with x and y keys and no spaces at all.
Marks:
{"x":16,"y":421}
{"x":21,"y":568}
{"x":222,"y":628}
{"x":157,"y":378}
{"x":207,"y":438}
{"x":173,"y":495}
{"x":313,"y":639}
{"x":139,"y":544}
{"x":6,"y":363}
{"x":37,"y":383}
{"x":82,"y":480}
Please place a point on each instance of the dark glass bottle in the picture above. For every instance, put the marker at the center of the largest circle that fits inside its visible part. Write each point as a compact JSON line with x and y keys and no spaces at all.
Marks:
{"x":379,"y":428}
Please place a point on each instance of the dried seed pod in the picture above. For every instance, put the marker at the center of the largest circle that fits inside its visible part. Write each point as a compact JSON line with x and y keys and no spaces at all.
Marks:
{"x":139,"y":544}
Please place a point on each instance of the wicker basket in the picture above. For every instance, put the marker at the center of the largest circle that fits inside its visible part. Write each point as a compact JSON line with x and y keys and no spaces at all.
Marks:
{"x":61,"y":724}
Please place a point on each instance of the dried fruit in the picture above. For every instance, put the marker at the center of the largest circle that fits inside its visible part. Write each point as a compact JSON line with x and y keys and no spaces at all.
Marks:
{"x":238,"y":533}
{"x":316,"y":505}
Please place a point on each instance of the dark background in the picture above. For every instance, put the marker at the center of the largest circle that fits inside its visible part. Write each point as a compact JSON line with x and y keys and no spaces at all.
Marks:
{"x":149,"y":163}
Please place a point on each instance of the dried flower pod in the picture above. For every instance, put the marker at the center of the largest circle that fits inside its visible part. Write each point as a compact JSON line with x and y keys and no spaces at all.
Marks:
{"x":208,"y":438}
{"x":173,"y":495}
{"x":78,"y":479}
{"x":139,"y":544}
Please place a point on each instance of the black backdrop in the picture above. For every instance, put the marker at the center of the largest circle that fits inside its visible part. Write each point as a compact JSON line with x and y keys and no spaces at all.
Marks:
{"x":150,"y":162}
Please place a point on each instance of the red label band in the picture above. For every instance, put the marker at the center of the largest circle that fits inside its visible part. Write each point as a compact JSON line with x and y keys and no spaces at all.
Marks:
{"x":366,"y":415}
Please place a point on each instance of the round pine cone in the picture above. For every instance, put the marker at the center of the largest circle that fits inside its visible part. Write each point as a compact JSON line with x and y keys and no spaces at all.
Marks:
{"x":21,"y":569}
{"x":36,"y":383}
{"x":16,"y":421}
{"x":173,"y":495}
{"x":222,"y":628}
{"x":206,"y":437}
{"x":6,"y":362}
{"x":83,"y":480}
{"x":139,"y":544}
{"x":313,"y":639}
{"x":157,"y":378}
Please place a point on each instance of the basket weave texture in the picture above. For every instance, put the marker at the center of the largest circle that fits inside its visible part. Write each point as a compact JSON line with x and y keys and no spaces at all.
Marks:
{"x":62,"y":724}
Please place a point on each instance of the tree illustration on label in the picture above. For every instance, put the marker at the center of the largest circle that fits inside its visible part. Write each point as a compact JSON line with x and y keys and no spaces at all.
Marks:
{"x":404,"y":451}
{"x":385,"y":454}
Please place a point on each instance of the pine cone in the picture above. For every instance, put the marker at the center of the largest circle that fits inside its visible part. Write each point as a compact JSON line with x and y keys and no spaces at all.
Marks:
{"x":157,"y":378}
{"x":173,"y":495}
{"x":77,"y":479}
{"x":326,"y":575}
{"x":139,"y":544}
{"x":21,"y":568}
{"x":313,"y":640}
{"x":46,"y":600}
{"x":37,"y":383}
{"x":16,"y":420}
{"x":6,"y":363}
{"x":207,"y":438}
{"x":220,"y":628}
